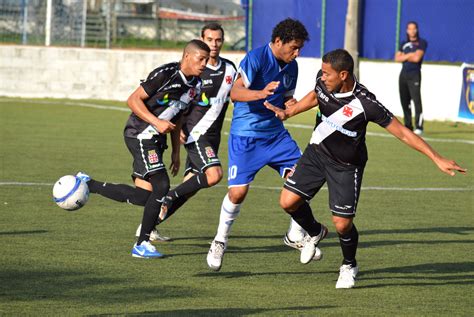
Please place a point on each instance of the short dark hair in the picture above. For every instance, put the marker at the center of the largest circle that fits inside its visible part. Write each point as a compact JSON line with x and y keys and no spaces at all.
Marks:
{"x":288,"y":30}
{"x":214,"y":26}
{"x":197,"y":44}
{"x":339,"y":60}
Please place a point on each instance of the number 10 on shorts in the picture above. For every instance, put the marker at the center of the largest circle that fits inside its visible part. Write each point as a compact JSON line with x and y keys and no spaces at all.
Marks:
{"x":232,"y":172}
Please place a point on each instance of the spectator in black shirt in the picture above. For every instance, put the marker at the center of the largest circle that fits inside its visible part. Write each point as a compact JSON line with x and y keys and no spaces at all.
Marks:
{"x":411,"y":54}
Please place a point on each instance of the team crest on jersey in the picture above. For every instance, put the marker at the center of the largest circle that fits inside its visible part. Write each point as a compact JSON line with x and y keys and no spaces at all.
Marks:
{"x":204,"y":100}
{"x":347,"y":111}
{"x":192,"y":93}
{"x":210,"y":152}
{"x":228,"y":79}
{"x":287,"y":80}
{"x":163,"y":101}
{"x":152,"y":157}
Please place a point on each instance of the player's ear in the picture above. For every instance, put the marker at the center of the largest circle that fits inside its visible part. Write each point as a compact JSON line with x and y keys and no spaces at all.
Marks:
{"x":343,"y":75}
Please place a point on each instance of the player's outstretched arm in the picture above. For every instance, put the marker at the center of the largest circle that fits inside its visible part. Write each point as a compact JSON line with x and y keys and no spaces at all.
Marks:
{"x":292,"y":109}
{"x":411,"y":139}
{"x":241,"y":93}
{"x":136,"y":103}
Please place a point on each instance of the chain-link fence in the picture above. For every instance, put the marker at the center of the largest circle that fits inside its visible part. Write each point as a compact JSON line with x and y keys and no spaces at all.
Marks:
{"x":115,"y":23}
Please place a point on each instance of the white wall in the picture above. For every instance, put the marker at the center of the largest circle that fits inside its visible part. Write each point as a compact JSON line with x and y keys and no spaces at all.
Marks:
{"x":440,"y":85}
{"x":113,"y":74}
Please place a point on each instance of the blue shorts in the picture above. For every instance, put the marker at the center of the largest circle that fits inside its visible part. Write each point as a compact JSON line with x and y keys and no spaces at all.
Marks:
{"x":247,"y":155}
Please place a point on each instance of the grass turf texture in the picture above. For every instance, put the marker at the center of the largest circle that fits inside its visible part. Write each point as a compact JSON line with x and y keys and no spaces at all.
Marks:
{"x":415,"y":251}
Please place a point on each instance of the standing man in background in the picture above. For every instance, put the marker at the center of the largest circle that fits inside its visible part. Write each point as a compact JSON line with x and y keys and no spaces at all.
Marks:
{"x":411,"y":54}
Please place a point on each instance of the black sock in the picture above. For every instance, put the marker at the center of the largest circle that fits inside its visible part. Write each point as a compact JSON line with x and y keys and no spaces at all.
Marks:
{"x":120,"y":192}
{"x":191,"y":186}
{"x":177,"y":203}
{"x":161,"y":184}
{"x":304,"y":217}
{"x":349,"y":242}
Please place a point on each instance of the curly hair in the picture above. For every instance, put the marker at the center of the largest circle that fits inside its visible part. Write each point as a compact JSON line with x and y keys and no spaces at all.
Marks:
{"x":289,"y":30}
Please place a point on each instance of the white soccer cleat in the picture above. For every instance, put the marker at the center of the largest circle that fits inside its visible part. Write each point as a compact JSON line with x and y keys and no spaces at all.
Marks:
{"x":418,"y":131}
{"x":310,"y":245}
{"x":298,"y":245}
{"x":347,"y":276}
{"x":154,"y":235}
{"x":215,"y":255}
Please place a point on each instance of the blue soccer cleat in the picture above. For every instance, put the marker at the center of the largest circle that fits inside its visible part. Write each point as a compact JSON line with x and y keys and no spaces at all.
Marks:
{"x":83,"y":176}
{"x":145,"y":251}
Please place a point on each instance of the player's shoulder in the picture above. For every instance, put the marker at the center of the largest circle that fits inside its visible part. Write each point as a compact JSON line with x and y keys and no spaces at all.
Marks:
{"x":228,"y":63}
{"x":165,"y":69}
{"x":365,"y":96}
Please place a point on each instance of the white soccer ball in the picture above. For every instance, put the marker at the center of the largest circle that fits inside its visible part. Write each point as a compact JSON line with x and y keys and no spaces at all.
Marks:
{"x":70,"y":192}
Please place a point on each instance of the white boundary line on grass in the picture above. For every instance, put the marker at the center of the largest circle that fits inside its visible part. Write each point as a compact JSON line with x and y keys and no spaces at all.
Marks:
{"x":427,"y":189}
{"x":293,"y":125}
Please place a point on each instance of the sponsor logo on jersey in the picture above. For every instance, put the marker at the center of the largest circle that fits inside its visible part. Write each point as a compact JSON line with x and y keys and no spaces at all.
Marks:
{"x":163,"y":101}
{"x":337,"y":127}
{"x":207,"y":82}
{"x":322,"y":95}
{"x":228,"y":79}
{"x":210,"y":152}
{"x":172,"y":86}
{"x":152,"y":157}
{"x":347,"y":111}
{"x":217,"y":74}
{"x":204,"y":101}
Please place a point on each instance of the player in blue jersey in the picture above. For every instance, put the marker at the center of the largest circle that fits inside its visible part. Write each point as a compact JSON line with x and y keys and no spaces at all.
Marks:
{"x":258,"y":138}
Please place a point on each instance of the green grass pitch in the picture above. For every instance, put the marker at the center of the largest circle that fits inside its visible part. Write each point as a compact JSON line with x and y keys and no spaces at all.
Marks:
{"x":416,"y":253}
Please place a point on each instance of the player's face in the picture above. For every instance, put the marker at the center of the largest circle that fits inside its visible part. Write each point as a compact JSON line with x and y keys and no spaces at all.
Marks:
{"x":215,"y":40}
{"x":196,"y":62}
{"x":289,"y":51}
{"x":331,"y":78}
{"x":412,"y":30}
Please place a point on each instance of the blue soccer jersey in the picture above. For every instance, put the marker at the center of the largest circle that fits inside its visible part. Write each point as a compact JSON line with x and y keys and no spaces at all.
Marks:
{"x":258,"y":69}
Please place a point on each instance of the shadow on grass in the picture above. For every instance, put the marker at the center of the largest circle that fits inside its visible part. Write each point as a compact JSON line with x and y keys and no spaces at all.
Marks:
{"x":430,"y":274}
{"x":19,"y":232}
{"x":217,"y":312}
{"x":18,"y":285}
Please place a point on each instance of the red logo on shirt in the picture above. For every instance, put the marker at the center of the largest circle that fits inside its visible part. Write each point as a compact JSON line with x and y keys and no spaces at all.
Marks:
{"x":228,"y":79}
{"x":192,"y":93}
{"x":347,"y":111}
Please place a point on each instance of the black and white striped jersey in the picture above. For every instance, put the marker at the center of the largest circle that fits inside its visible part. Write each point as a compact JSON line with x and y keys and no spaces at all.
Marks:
{"x":170,"y":94}
{"x":342,"y":120}
{"x":206,"y":116}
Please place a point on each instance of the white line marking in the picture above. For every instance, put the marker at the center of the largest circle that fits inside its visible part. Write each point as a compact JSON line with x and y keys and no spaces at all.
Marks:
{"x":427,"y":189}
{"x":292,"y":125}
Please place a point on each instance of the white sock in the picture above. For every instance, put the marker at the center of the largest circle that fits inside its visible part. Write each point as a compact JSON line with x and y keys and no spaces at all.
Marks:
{"x":295,"y":231}
{"x":229,"y":211}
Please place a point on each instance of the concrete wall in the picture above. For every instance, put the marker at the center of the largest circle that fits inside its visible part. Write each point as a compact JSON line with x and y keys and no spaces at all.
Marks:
{"x":113,"y":74}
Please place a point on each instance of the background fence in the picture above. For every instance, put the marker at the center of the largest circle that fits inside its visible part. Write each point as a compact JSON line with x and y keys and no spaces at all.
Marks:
{"x":115,"y":23}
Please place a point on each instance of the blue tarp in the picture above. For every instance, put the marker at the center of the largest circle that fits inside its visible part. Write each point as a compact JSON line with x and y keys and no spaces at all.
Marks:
{"x":448,"y":26}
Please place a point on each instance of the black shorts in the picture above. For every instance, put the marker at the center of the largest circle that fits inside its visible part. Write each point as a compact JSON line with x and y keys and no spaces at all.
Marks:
{"x":147,"y":156}
{"x":202,"y":154}
{"x":314,"y":169}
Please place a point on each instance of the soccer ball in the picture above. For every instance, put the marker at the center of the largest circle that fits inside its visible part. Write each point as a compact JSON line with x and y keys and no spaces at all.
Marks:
{"x":70,"y":192}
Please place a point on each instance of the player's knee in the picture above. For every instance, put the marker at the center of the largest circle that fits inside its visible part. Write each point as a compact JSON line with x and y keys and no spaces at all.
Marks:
{"x":237,"y":194}
{"x":160,"y":183}
{"x":342,"y":225}
{"x":288,"y":202}
{"x":213,"y":175}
